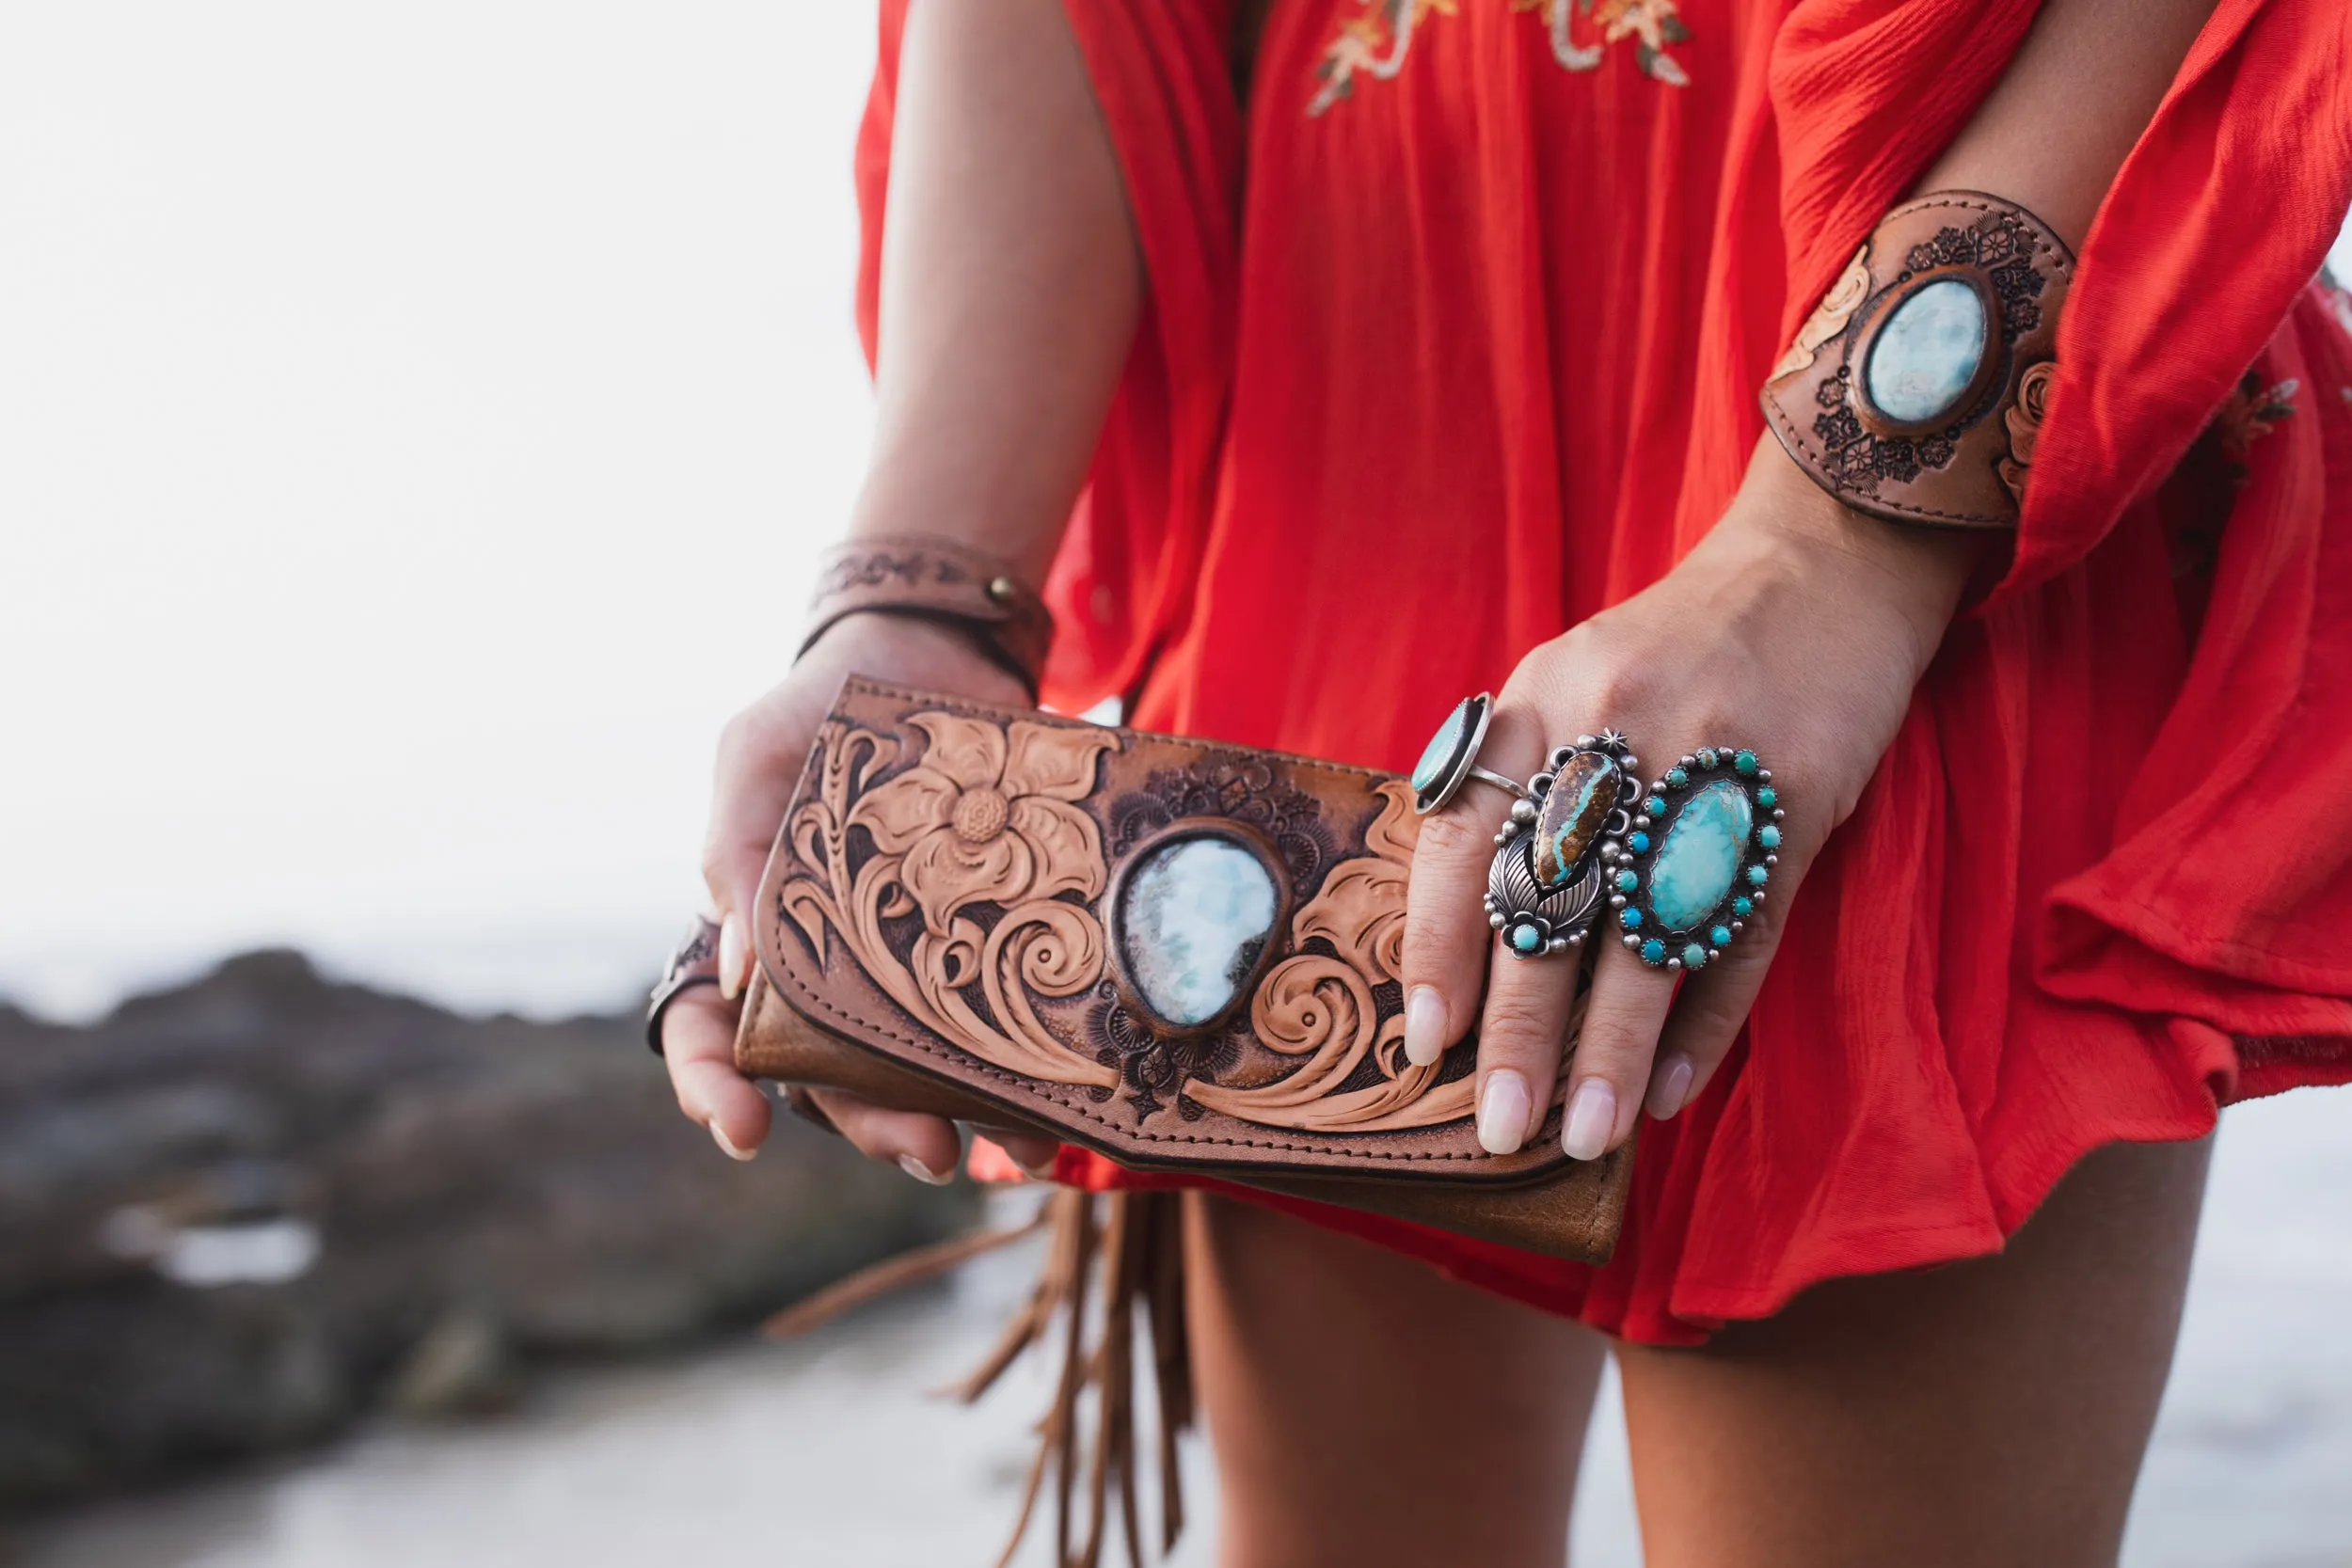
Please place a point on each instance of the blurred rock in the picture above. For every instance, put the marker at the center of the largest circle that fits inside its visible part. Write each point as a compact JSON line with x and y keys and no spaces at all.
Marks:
{"x":237,"y":1215}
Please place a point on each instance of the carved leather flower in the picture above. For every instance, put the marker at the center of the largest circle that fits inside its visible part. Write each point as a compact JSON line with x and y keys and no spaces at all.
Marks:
{"x":985,"y":816}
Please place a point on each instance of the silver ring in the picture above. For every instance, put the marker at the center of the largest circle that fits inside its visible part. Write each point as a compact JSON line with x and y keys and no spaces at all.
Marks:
{"x":1488,"y":776}
{"x":1560,"y":845}
{"x":694,"y":962}
{"x":1451,"y":758}
{"x":1681,"y":907}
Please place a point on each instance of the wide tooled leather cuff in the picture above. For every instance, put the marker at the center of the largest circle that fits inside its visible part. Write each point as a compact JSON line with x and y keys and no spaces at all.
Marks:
{"x":938,"y":579}
{"x":1182,"y":956}
{"x":1915,"y":391}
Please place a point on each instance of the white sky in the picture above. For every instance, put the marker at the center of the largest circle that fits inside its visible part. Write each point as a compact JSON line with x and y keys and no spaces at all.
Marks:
{"x":415,"y":423}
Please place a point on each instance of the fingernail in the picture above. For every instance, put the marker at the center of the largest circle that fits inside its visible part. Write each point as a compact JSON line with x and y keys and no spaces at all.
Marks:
{"x":719,"y":1136}
{"x":1592,"y":1116}
{"x":1043,"y":1170}
{"x":1502,"y":1112}
{"x":922,"y":1172}
{"x":1673,"y":1086}
{"x":1424,"y":1025}
{"x":731,"y":955}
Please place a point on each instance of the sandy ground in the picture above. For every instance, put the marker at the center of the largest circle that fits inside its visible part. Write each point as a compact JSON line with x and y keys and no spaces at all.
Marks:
{"x":828,"y":1452}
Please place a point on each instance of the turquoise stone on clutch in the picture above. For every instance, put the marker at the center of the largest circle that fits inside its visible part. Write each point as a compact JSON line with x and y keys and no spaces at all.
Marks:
{"x":1928,"y":353}
{"x":1193,"y":918}
{"x":1442,"y":747}
{"x":1583,"y":792}
{"x":1700,"y":855}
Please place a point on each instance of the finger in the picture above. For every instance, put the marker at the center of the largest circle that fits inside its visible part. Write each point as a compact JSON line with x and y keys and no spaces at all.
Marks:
{"x":1446,"y":939}
{"x":1520,"y":1038}
{"x":1032,"y":1153}
{"x":698,"y":1043}
{"x":925,"y":1148}
{"x":1707,"y":1016}
{"x":1610,"y":1071}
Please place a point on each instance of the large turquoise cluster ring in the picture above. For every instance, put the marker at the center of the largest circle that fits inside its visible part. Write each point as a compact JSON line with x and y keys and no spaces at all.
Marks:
{"x":1698,"y":856}
{"x":1557,"y":852}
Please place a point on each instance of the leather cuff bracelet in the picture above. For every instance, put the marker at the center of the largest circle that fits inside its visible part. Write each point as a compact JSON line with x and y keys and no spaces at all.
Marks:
{"x":1915,"y":391}
{"x":940,"y":580}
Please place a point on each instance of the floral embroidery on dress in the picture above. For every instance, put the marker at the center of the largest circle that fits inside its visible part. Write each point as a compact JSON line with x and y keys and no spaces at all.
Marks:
{"x":1376,"y":41}
{"x":2252,"y":411}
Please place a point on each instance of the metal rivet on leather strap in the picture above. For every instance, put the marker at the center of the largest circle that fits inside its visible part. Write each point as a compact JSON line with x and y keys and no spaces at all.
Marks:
{"x":1002,"y":589}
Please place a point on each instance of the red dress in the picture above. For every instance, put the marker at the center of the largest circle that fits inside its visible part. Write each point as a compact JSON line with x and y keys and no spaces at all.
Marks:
{"x":1455,"y":334}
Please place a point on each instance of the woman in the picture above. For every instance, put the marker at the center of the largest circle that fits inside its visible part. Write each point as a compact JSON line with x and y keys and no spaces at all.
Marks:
{"x":1392,"y":349}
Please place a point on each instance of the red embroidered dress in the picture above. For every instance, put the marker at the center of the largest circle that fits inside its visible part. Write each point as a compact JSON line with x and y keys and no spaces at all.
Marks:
{"x":1454,"y":336}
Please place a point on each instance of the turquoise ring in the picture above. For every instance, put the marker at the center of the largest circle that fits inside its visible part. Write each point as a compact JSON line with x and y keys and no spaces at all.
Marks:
{"x":1451,"y":758}
{"x":1556,"y":856}
{"x":1697,"y":859}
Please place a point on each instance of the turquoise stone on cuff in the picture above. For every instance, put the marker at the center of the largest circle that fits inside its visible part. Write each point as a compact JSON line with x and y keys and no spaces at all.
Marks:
{"x":1442,"y":747}
{"x":1927,"y":352}
{"x":1653,"y":952}
{"x":1767,"y":837}
{"x":1700,"y":856}
{"x":1193,"y":918}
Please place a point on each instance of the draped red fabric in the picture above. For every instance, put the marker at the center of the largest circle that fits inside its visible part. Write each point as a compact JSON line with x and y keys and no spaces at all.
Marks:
{"x":1454,"y":340}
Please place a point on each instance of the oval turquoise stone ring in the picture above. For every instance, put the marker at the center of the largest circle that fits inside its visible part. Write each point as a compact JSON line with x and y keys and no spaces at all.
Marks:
{"x":1562,"y":848}
{"x":1451,"y":758}
{"x":1699,"y":857}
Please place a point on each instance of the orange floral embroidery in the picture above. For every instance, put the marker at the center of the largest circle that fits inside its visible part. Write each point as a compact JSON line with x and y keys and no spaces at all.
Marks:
{"x":1376,"y":42}
{"x":2252,"y":411}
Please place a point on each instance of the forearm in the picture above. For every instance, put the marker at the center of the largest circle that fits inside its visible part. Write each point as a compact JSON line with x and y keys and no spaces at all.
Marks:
{"x":2051,"y":136}
{"x":1010,"y":283}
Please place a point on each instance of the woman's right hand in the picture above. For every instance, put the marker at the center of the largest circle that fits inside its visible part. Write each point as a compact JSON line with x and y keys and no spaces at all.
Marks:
{"x":761,"y":753}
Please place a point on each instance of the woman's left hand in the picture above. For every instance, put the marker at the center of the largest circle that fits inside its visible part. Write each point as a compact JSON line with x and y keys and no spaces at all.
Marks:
{"x":1797,"y":628}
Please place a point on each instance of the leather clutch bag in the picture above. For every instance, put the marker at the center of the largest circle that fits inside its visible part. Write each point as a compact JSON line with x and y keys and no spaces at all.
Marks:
{"x":1182,"y":955}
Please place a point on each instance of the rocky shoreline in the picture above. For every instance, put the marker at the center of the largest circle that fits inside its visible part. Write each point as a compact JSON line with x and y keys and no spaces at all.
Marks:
{"x":239,"y":1216}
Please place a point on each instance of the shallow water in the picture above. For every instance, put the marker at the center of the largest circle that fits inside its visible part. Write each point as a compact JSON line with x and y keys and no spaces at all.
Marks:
{"x":828,"y":1451}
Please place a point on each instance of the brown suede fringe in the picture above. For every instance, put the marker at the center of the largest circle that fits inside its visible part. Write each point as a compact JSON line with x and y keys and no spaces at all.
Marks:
{"x":1134,"y":1242}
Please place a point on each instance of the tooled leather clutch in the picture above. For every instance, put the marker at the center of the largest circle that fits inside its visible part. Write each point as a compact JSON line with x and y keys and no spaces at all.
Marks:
{"x":1180,"y":954}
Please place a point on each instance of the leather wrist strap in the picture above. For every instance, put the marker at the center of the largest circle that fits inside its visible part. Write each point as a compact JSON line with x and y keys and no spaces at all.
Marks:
{"x":1915,"y":391}
{"x":938,"y":579}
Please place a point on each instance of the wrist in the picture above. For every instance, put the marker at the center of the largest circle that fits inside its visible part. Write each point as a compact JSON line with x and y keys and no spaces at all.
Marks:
{"x":1918,"y":574}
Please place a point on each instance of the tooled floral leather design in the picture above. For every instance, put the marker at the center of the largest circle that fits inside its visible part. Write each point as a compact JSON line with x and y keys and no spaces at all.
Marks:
{"x":1829,"y":318}
{"x":961,"y":862}
{"x":1957,"y":465}
{"x":985,"y":819}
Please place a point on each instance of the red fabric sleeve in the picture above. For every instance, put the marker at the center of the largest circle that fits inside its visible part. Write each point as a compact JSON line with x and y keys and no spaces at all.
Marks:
{"x":1163,"y":74}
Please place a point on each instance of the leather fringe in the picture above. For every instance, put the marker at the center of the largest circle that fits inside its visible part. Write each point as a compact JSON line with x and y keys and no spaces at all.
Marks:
{"x":1134,"y":1242}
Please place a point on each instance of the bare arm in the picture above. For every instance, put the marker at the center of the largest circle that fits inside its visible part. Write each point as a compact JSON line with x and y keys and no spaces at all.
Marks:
{"x":1011,"y":288}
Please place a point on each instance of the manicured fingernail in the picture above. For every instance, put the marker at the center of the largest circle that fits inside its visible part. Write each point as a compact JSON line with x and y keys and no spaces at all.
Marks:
{"x":1041,"y":1171}
{"x":1672,"y":1089}
{"x":922,"y":1172}
{"x":719,"y":1136}
{"x":731,"y":955}
{"x":1424,"y":1025}
{"x":1592,"y":1116}
{"x":1502,"y":1112}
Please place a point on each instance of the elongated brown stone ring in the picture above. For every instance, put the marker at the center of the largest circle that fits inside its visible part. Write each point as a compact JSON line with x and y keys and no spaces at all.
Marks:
{"x":1555,"y":851}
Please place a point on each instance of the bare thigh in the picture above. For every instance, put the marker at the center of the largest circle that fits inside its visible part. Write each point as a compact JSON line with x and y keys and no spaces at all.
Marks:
{"x":1367,"y":1411}
{"x":1992,"y":1412}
